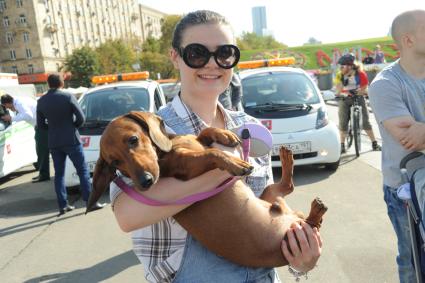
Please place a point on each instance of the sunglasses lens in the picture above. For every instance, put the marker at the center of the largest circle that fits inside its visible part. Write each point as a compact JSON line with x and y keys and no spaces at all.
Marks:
{"x":196,"y":55}
{"x":227,"y":56}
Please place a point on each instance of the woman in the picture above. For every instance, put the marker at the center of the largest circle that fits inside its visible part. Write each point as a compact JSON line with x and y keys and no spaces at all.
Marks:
{"x":203,"y":51}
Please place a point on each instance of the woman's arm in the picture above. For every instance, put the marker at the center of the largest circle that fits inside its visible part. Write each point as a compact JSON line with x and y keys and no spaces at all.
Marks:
{"x":131,"y":214}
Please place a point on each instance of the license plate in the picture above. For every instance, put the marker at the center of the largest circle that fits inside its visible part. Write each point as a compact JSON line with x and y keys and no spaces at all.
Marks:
{"x":91,"y":165}
{"x":296,"y":147}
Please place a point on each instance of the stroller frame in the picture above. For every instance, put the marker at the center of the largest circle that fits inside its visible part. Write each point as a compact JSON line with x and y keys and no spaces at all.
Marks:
{"x":413,"y":215}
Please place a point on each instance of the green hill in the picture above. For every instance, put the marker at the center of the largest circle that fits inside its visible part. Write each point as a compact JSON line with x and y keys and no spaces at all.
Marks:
{"x":319,"y":56}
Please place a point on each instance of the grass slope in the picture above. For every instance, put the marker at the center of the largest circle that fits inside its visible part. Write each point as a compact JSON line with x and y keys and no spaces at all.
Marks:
{"x":307,"y":53}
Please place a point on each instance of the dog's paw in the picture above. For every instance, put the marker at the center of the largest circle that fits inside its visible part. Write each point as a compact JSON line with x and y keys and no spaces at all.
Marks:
{"x":228,"y":138}
{"x":238,"y":167}
{"x":318,"y":206}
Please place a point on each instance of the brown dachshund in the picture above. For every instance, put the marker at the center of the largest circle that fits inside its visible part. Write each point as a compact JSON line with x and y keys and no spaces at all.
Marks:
{"x":234,"y":223}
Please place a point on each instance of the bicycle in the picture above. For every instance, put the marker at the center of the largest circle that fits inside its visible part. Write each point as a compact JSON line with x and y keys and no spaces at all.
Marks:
{"x":354,"y":122}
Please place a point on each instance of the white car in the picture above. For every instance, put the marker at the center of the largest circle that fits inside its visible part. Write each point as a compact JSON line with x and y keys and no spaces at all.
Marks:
{"x":170,"y":90}
{"x":104,"y":103}
{"x":17,"y":143}
{"x":290,"y":105}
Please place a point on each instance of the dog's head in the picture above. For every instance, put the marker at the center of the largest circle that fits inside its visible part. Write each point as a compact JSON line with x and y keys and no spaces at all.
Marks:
{"x":130,"y":144}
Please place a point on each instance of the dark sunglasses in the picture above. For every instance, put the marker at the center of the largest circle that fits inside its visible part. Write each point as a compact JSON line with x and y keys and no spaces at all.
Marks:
{"x":196,"y":55}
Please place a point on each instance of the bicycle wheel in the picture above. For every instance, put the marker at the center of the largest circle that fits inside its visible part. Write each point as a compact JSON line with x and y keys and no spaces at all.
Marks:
{"x":357,"y":132}
{"x":349,"y":138}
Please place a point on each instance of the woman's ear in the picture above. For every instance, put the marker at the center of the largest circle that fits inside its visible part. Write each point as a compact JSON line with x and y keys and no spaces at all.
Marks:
{"x":174,"y":56}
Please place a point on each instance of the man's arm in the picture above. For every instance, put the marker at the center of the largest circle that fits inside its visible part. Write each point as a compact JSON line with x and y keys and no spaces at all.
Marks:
{"x":79,"y":115}
{"x":41,"y":120}
{"x":409,"y":133}
{"x":24,"y":113}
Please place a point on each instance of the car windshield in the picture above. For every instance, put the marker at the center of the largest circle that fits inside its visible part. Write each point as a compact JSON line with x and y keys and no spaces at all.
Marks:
{"x":278,"y":89}
{"x":106,"y":104}
{"x":170,"y":90}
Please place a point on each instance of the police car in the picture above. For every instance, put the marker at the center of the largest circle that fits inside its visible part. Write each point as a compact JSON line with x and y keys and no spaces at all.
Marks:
{"x":290,"y":105}
{"x":119,"y":94}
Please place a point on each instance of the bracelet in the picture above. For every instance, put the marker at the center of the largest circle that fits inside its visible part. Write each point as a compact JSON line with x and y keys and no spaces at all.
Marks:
{"x":297,"y":274}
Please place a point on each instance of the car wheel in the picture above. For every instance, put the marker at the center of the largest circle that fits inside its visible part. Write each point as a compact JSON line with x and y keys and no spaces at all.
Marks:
{"x":332,"y":166}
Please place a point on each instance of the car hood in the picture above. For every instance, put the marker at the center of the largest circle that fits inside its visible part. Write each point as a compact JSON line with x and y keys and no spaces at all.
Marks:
{"x":291,"y":125}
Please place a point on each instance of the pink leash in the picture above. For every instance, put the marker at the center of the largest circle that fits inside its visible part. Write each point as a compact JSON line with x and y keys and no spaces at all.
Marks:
{"x":246,"y":144}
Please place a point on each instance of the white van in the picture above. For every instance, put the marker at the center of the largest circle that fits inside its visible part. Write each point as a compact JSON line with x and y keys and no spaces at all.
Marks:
{"x":17,"y":144}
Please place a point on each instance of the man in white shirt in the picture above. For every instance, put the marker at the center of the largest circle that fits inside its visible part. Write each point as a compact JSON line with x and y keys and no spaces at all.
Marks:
{"x":26,"y":110}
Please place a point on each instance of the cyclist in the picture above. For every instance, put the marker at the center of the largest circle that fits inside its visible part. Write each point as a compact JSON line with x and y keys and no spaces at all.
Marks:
{"x":351,"y":80}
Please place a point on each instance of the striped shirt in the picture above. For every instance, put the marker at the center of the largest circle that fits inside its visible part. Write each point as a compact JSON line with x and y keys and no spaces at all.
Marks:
{"x":160,"y":246}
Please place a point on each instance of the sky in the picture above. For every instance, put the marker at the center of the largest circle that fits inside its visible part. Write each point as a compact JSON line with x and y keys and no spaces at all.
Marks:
{"x":294,"y":22}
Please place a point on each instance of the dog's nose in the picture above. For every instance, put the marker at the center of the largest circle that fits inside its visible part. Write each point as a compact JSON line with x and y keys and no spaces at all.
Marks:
{"x":146,"y":180}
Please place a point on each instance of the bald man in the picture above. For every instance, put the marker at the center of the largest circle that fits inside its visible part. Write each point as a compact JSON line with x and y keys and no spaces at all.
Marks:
{"x":397,"y":97}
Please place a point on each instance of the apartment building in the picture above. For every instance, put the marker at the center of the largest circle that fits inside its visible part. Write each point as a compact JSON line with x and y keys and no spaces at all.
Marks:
{"x":37,"y":35}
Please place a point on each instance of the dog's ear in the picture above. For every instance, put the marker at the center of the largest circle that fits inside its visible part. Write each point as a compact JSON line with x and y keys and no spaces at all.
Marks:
{"x":155,"y":127}
{"x":102,"y":177}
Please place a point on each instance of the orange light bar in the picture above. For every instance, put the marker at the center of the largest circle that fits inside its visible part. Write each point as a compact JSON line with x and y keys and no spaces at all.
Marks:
{"x":267,"y":63}
{"x":120,"y":77}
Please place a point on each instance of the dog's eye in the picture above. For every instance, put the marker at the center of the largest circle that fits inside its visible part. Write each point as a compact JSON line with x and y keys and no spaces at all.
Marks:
{"x":133,"y":141}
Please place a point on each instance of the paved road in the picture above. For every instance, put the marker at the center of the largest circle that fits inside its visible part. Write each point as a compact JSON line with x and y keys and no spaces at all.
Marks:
{"x":37,"y":246}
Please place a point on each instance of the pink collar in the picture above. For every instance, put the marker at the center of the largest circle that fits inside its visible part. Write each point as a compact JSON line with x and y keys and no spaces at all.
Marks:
{"x":192,"y":198}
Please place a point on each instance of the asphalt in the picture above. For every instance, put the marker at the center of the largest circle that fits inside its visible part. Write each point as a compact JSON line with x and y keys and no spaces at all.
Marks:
{"x":38,"y":246}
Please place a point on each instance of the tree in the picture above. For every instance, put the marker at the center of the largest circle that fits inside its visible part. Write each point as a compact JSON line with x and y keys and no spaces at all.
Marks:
{"x":250,"y":40}
{"x":115,"y":56}
{"x":158,"y":63}
{"x":312,"y":41}
{"x":83,"y":63}
{"x":167,"y":29}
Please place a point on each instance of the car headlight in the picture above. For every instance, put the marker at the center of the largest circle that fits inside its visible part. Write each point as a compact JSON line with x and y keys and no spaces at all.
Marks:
{"x":322,"y":118}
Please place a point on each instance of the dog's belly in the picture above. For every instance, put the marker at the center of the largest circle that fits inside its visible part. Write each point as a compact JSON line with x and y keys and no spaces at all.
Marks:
{"x":238,"y":226}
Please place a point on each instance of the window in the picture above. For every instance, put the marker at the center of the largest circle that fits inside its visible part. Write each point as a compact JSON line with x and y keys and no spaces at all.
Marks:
{"x":19,"y":3}
{"x":6,"y":21}
{"x":12,"y":54}
{"x":26,"y":36}
{"x":28,"y":53}
{"x":3,"y":5}
{"x":14,"y":69}
{"x":22,"y":19}
{"x":30,"y":69}
{"x":46,"y":4}
{"x":9,"y":37}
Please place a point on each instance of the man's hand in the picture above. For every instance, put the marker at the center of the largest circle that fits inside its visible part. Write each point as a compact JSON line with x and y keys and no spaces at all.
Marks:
{"x":414,"y":135}
{"x":303,"y":256}
{"x":6,"y":118}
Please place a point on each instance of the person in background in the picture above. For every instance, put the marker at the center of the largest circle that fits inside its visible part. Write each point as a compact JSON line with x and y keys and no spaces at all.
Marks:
{"x":368,"y":59}
{"x":231,"y":98}
{"x":351,"y":79}
{"x":60,"y":114}
{"x":397,"y":97}
{"x":203,"y":51}
{"x":25,"y":109}
{"x":379,"y":55}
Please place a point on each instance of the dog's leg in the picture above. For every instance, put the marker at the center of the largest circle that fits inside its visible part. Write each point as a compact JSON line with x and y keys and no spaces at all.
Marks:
{"x":285,"y":186}
{"x":224,"y":137}
{"x":318,"y":208}
{"x":201,"y":162}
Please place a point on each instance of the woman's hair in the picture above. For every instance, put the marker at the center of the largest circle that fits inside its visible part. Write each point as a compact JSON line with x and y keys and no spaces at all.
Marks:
{"x":193,"y":19}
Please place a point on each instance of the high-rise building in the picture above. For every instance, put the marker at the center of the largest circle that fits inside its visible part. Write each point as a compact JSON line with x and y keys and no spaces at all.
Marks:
{"x":259,"y":20}
{"x":37,"y":35}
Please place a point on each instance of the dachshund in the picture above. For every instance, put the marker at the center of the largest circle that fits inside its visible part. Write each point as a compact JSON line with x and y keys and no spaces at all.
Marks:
{"x":234,"y":223}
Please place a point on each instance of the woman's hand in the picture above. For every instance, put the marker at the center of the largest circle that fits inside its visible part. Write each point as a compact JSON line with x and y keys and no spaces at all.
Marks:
{"x":303,"y":256}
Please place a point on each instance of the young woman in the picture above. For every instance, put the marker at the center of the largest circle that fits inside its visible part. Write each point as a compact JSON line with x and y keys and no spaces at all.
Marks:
{"x":203,"y":51}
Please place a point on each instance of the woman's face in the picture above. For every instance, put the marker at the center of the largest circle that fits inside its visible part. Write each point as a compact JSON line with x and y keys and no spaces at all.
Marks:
{"x":210,"y":80}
